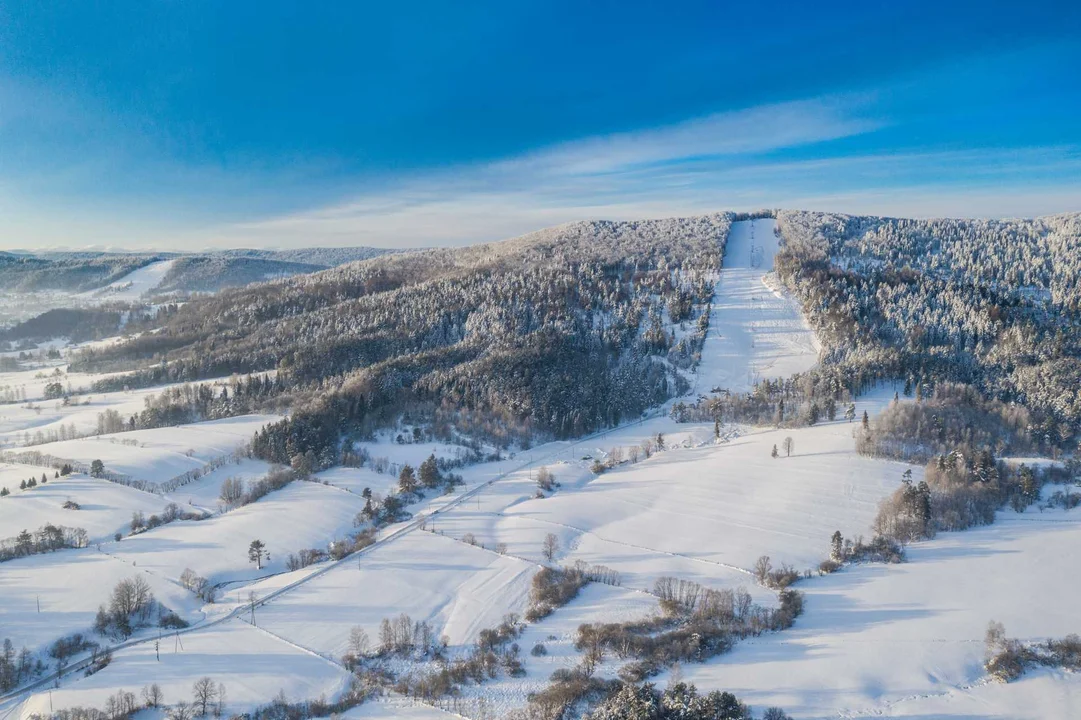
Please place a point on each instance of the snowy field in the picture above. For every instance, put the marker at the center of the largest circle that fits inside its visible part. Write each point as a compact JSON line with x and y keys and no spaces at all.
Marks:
{"x":252,"y":664}
{"x":300,"y":516}
{"x":68,"y":587}
{"x":161,"y":454}
{"x":104,"y":507}
{"x":907,"y":640}
{"x":702,"y":510}
{"x":459,"y":589}
{"x":755,"y":331}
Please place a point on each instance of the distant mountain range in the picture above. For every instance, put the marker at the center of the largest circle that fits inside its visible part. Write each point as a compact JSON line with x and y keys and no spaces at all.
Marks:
{"x":85,"y":271}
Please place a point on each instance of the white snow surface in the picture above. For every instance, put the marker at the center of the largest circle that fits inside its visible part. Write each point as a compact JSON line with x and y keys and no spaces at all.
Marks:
{"x":907,"y":640}
{"x":132,"y":286}
{"x":459,"y":589}
{"x":104,"y":507}
{"x":251,"y":663}
{"x":161,"y":454}
{"x":755,"y":330}
{"x":874,"y":640}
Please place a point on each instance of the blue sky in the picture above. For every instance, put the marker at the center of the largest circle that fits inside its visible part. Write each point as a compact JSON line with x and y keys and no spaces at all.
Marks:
{"x":195,"y":124}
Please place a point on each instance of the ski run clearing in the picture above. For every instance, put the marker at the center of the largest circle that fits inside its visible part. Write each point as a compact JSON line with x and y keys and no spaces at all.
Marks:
{"x":875,"y":640}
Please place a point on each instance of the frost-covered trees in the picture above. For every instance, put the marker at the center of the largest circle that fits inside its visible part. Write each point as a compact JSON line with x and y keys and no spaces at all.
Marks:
{"x":557,"y":334}
{"x":130,"y":605}
{"x":680,"y":701}
{"x":994,"y":304}
{"x":545,"y":479}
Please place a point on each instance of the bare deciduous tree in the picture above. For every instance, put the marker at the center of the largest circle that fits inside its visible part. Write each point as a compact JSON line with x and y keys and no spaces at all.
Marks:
{"x":550,"y":546}
{"x":358,"y":642}
{"x":204,"y":693}
{"x":153,"y":696}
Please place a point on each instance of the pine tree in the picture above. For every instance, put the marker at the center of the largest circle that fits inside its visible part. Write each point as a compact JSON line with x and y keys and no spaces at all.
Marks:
{"x":429,"y":472}
{"x":407,"y":480}
{"x":774,"y":453}
{"x":256,"y":553}
{"x":837,"y":544}
{"x":923,"y":508}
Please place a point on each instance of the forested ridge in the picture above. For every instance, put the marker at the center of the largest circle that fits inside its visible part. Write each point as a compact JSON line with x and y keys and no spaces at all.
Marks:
{"x":995,"y":304}
{"x":555,"y":333}
{"x":68,"y":272}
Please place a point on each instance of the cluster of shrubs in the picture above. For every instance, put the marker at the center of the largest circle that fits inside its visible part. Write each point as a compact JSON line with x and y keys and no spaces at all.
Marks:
{"x":700,"y":623}
{"x":234,"y":494}
{"x":70,"y":645}
{"x":1007,"y":658}
{"x":368,"y":684}
{"x":553,"y":589}
{"x":171,"y":513}
{"x":774,"y":578}
{"x":568,"y":688}
{"x":495,"y":650}
{"x":336,"y":550}
{"x":880,"y":549}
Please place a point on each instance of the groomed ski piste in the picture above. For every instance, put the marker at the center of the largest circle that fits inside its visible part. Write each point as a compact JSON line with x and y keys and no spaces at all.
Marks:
{"x":875,"y":640}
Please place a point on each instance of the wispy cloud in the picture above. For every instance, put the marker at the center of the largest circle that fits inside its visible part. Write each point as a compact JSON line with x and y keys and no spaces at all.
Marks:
{"x":728,"y":160}
{"x":814,"y":154}
{"x":620,"y":175}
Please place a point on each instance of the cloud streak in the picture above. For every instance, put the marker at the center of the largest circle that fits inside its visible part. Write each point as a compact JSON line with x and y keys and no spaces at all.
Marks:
{"x":725,"y":161}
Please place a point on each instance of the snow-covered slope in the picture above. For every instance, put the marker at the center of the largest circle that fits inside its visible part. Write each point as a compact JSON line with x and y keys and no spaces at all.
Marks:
{"x":755,"y":330}
{"x":907,"y":640}
{"x":133,"y":286}
{"x":903,"y":641}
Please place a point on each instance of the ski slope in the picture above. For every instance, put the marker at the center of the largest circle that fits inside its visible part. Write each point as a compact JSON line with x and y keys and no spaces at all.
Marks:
{"x":133,"y":286}
{"x":755,"y":331}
